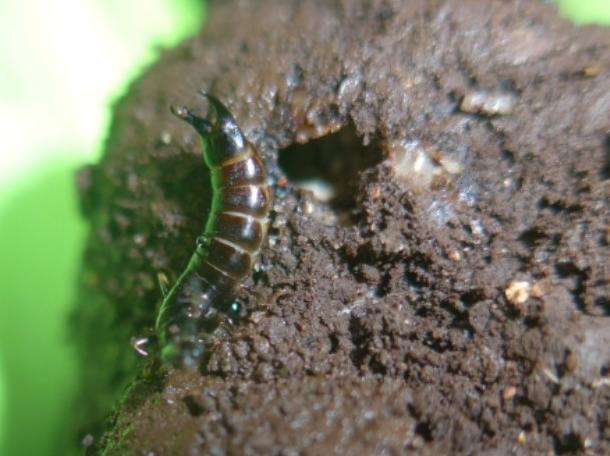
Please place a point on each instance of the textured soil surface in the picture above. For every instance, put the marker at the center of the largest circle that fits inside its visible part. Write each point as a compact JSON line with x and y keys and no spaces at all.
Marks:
{"x":441,"y":289}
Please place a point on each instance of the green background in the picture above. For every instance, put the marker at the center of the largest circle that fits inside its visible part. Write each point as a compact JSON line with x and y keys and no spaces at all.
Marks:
{"x":62,"y":63}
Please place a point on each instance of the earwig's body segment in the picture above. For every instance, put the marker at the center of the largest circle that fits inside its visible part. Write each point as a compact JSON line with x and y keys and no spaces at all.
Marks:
{"x":230,"y":243}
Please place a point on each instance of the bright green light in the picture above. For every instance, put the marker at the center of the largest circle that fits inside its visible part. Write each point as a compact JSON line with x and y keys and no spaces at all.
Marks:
{"x":2,"y":402}
{"x":586,"y":11}
{"x":62,"y":63}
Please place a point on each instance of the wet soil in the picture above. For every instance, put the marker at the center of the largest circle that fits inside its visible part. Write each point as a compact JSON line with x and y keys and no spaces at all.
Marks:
{"x":435,"y":279}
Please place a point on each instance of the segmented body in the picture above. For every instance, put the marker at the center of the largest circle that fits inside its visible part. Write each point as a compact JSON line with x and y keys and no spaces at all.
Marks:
{"x":229,"y":245}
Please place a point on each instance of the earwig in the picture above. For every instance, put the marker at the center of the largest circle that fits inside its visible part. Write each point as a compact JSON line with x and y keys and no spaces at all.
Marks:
{"x":229,"y":245}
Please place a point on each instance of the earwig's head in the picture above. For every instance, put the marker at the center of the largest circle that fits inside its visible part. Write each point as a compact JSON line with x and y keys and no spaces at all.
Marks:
{"x":181,"y":322}
{"x":182,"y":346}
{"x":183,"y":354}
{"x":219,"y":131}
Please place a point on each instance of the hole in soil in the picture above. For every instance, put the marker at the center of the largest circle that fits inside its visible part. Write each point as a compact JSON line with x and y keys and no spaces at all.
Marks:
{"x":334,"y":343}
{"x":377,"y":368}
{"x":423,"y":429}
{"x":359,"y":338}
{"x":329,"y":167}
{"x":604,"y":305}
{"x":194,"y":407}
{"x":567,"y":269}
{"x":533,"y":236}
{"x":471,"y":297}
{"x":508,"y":156}
{"x":557,"y":207}
{"x":570,"y":443}
{"x":605,"y":172}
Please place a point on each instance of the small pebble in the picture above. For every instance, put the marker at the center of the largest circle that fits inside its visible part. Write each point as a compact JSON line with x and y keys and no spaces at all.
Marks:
{"x":517,"y":292}
{"x":590,"y":71}
{"x":509,"y":392}
{"x":571,"y":362}
{"x":454,"y":255}
{"x":488,"y":103}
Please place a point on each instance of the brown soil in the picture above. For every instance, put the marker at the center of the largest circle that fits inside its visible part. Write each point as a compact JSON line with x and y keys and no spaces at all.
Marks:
{"x":444,"y":289}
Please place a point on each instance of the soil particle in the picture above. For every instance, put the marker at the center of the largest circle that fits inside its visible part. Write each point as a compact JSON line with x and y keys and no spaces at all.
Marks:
{"x":435,"y":279}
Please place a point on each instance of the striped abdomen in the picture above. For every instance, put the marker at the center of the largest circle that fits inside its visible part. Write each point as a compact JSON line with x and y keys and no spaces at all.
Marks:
{"x":237,"y":223}
{"x":230,"y":243}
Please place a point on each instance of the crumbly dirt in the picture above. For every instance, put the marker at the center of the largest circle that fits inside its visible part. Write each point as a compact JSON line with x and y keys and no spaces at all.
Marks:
{"x":436,"y":275}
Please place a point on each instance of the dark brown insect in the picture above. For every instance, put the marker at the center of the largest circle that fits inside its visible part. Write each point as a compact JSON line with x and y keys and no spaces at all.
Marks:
{"x":229,"y":245}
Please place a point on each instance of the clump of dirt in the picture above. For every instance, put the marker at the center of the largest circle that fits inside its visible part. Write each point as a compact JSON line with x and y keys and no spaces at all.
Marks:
{"x":436,"y":274}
